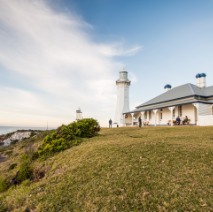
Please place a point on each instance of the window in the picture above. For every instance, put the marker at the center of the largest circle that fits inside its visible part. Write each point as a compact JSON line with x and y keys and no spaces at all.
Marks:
{"x":150,"y":115}
{"x":180,"y":111}
{"x":174,"y":113}
{"x":146,"y":115}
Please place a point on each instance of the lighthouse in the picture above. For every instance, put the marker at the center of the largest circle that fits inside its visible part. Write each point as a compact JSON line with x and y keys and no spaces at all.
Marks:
{"x":123,"y":84}
{"x":78,"y":114}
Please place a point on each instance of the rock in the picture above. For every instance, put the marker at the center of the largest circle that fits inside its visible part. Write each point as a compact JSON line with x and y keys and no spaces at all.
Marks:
{"x":16,"y":136}
{"x":20,"y":135}
{"x":6,"y":142}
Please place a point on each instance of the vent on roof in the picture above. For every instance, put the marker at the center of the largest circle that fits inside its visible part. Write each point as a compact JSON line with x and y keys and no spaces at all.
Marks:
{"x":201,"y":80}
{"x":167,"y":87}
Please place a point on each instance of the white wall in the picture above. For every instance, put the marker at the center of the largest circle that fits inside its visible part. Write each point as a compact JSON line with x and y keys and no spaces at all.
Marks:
{"x":205,"y":109}
{"x":122,"y":102}
{"x":151,"y":119}
{"x":205,"y":120}
{"x":166,"y":115}
{"x":189,"y":111}
{"x":128,"y":120}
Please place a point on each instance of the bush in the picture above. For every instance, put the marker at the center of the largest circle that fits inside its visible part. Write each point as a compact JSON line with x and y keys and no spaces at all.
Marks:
{"x":86,"y":128}
{"x":26,"y":183}
{"x":12,"y":166}
{"x":25,"y":172}
{"x":66,"y":136}
{"x":32,"y":134}
{"x":14,"y":142}
{"x":3,"y":185}
{"x":35,"y":156}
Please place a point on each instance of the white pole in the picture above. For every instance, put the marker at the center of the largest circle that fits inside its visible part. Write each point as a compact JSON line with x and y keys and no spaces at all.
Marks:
{"x":155,"y":111}
{"x":142,"y":118}
{"x":171,"y":109}
{"x":198,"y":113}
{"x":132,"y":119}
{"x":124,"y":120}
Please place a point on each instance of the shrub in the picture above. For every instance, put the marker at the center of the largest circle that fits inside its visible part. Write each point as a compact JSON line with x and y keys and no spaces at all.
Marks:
{"x":86,"y":128}
{"x":25,"y":172}
{"x":66,"y":136}
{"x":14,"y":142}
{"x":35,"y":156}
{"x":9,"y":135}
{"x":32,"y":134}
{"x":3,"y":185}
{"x":26,"y":183}
{"x":12,"y":166}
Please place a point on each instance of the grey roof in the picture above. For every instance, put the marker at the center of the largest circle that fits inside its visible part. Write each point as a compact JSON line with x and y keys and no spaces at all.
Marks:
{"x":170,"y":104}
{"x":208,"y":91}
{"x":180,"y":92}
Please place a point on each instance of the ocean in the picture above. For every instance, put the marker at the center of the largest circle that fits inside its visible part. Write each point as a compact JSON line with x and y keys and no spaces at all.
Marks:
{"x":7,"y":129}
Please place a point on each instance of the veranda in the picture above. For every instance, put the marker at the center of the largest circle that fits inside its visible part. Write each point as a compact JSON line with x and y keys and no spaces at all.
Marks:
{"x":162,"y":116}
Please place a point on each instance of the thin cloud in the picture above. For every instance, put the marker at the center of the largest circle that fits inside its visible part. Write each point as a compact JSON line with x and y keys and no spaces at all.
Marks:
{"x":57,"y":59}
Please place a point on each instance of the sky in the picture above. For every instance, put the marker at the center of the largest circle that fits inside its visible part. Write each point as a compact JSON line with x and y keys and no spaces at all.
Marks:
{"x":58,"y":55}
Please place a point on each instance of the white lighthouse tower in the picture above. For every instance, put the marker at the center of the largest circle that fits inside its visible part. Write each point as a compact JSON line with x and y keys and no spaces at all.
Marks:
{"x":122,"y":97}
{"x":78,"y":114}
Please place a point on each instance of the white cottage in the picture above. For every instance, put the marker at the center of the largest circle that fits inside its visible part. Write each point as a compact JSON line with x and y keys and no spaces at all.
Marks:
{"x":193,"y":101}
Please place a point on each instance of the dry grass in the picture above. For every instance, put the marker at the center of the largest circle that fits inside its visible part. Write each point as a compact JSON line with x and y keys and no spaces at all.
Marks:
{"x":123,"y":169}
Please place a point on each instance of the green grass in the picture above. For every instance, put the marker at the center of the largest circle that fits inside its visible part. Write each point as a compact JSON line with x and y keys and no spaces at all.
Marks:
{"x":122,"y":169}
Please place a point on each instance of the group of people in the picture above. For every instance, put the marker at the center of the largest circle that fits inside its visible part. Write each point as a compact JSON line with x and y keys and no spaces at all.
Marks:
{"x":184,"y":121}
{"x":177,"y":120}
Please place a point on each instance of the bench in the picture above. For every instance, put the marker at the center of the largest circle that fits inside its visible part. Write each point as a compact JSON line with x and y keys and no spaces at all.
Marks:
{"x":187,"y":123}
{"x":146,"y":123}
{"x":169,"y":122}
{"x":174,"y":122}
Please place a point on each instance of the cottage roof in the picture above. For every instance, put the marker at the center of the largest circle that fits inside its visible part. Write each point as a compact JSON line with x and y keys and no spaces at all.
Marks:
{"x":180,"y":92}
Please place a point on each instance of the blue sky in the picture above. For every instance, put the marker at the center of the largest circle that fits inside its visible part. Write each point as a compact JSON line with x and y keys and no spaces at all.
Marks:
{"x":58,"y":55}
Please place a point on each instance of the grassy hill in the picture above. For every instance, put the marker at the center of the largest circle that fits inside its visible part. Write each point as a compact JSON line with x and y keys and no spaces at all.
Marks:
{"x":122,"y":169}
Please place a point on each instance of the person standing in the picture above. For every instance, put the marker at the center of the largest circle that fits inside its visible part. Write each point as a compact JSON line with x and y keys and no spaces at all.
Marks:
{"x":110,"y":123}
{"x":139,"y":121}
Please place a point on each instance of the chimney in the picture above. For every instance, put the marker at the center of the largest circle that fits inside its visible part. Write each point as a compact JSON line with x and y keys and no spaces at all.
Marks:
{"x":201,"y":80}
{"x":167,"y":87}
